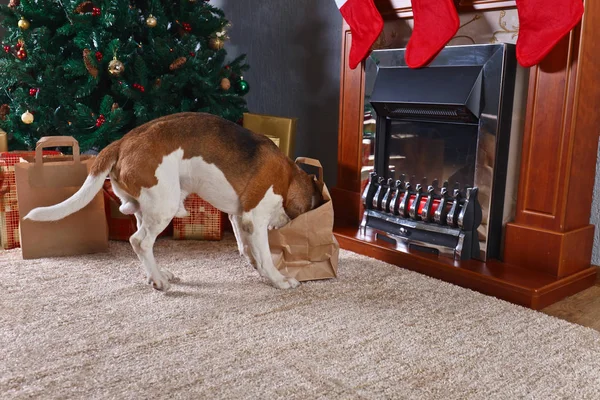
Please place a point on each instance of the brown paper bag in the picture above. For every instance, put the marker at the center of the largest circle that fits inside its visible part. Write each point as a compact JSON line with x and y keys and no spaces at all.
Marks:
{"x":45,"y":181}
{"x":305,"y":248}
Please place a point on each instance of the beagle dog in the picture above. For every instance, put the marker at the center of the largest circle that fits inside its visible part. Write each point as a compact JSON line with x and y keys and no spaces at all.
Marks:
{"x":154,"y":167}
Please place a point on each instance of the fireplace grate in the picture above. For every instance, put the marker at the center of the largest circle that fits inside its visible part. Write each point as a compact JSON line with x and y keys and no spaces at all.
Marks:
{"x":423,"y":216}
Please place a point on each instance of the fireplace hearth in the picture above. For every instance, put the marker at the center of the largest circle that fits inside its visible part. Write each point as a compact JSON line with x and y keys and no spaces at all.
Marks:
{"x":441,"y":149}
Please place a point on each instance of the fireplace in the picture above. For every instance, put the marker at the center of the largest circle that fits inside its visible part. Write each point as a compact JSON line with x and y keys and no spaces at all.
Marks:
{"x":441,"y":149}
{"x":546,"y":238}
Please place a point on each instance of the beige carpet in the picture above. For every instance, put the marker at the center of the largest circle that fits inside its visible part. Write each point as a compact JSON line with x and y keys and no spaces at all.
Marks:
{"x":89,"y":328}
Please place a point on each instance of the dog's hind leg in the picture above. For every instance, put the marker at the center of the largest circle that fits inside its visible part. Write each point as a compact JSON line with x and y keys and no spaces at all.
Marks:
{"x":143,"y":244}
{"x":158,"y":206}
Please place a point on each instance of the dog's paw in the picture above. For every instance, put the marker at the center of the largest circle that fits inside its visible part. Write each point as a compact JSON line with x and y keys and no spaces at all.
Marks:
{"x":287,"y":283}
{"x":159,"y":282}
{"x":168,"y":274}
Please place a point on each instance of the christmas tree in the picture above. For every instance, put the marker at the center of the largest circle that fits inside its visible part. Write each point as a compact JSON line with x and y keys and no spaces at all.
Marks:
{"x":96,"y":69}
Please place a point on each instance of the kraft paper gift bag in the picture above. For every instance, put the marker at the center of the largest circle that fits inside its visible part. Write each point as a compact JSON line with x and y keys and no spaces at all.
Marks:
{"x":305,"y":248}
{"x":45,"y":181}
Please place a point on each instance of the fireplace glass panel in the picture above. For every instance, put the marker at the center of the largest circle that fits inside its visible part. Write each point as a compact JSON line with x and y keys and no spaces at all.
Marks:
{"x":430,"y":150}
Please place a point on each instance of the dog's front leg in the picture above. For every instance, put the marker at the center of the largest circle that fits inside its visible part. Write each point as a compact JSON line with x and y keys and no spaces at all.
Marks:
{"x":256,"y":231}
{"x":242,"y":239}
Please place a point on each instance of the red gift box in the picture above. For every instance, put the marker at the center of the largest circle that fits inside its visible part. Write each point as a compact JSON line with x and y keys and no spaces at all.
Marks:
{"x":121,"y":226}
{"x":203,"y":223}
{"x":9,"y":209}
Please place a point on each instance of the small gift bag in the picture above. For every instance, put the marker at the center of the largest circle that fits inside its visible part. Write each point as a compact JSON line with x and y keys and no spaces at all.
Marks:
{"x":45,"y":181}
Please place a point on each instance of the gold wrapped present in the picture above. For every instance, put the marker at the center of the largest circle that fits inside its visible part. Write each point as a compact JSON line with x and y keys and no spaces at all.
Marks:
{"x":274,"y":139}
{"x":3,"y":141}
{"x":279,"y":129}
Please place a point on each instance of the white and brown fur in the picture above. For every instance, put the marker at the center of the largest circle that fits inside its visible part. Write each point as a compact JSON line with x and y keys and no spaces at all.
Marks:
{"x":154,"y":167}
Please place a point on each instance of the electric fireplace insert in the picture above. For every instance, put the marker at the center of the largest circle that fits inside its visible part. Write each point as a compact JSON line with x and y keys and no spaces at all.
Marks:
{"x":441,"y":149}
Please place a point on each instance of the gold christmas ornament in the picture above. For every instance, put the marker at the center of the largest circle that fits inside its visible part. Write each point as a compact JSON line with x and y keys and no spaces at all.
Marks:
{"x":151,"y":21}
{"x":216,"y":43}
{"x":115,"y":106}
{"x":116,"y":67}
{"x":27,"y":117}
{"x":23,"y":24}
{"x":225,"y":84}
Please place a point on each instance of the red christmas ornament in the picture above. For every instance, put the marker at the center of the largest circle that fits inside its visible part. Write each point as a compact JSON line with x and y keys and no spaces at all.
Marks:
{"x":6,"y":48}
{"x":186,"y":27}
{"x":18,"y":46}
{"x":96,"y":11}
{"x":192,"y":54}
{"x":21,"y":54}
{"x":33,"y":91}
{"x":99,"y":56}
{"x":139,"y":87}
{"x":100,"y":120}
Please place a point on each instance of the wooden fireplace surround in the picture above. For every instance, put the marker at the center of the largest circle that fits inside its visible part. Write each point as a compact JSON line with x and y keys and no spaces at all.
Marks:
{"x":548,"y":247}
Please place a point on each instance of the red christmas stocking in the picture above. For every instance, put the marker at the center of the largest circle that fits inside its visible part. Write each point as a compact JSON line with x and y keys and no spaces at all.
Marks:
{"x":542,"y":23}
{"x":435,"y":23}
{"x":365,"y":24}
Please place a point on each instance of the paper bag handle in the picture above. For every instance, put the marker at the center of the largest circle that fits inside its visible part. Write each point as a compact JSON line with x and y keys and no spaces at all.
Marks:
{"x":56,"y":141}
{"x":313,"y":162}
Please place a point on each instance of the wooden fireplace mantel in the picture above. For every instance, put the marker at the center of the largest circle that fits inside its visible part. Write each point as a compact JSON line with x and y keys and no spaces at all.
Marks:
{"x":548,"y":247}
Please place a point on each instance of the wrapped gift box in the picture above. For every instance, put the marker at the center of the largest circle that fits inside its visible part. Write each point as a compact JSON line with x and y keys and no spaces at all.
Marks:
{"x":281,"y":130}
{"x":121,"y":226}
{"x":9,"y":209}
{"x":203,"y":223}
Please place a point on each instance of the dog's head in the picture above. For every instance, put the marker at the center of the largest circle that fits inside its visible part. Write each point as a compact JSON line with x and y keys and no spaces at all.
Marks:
{"x":304,"y":194}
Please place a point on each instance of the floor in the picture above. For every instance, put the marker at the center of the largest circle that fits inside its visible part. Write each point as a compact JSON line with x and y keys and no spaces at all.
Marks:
{"x":582,"y":308}
{"x":89,"y":327}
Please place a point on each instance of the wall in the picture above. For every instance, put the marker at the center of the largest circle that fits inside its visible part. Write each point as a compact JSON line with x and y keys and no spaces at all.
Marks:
{"x":293,"y":49}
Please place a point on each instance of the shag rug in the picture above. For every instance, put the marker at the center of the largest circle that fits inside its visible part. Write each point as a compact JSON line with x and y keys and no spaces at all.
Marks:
{"x":88,"y":327}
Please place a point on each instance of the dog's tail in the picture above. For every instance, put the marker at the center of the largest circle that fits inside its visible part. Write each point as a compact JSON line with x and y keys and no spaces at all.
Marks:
{"x":92,"y":185}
